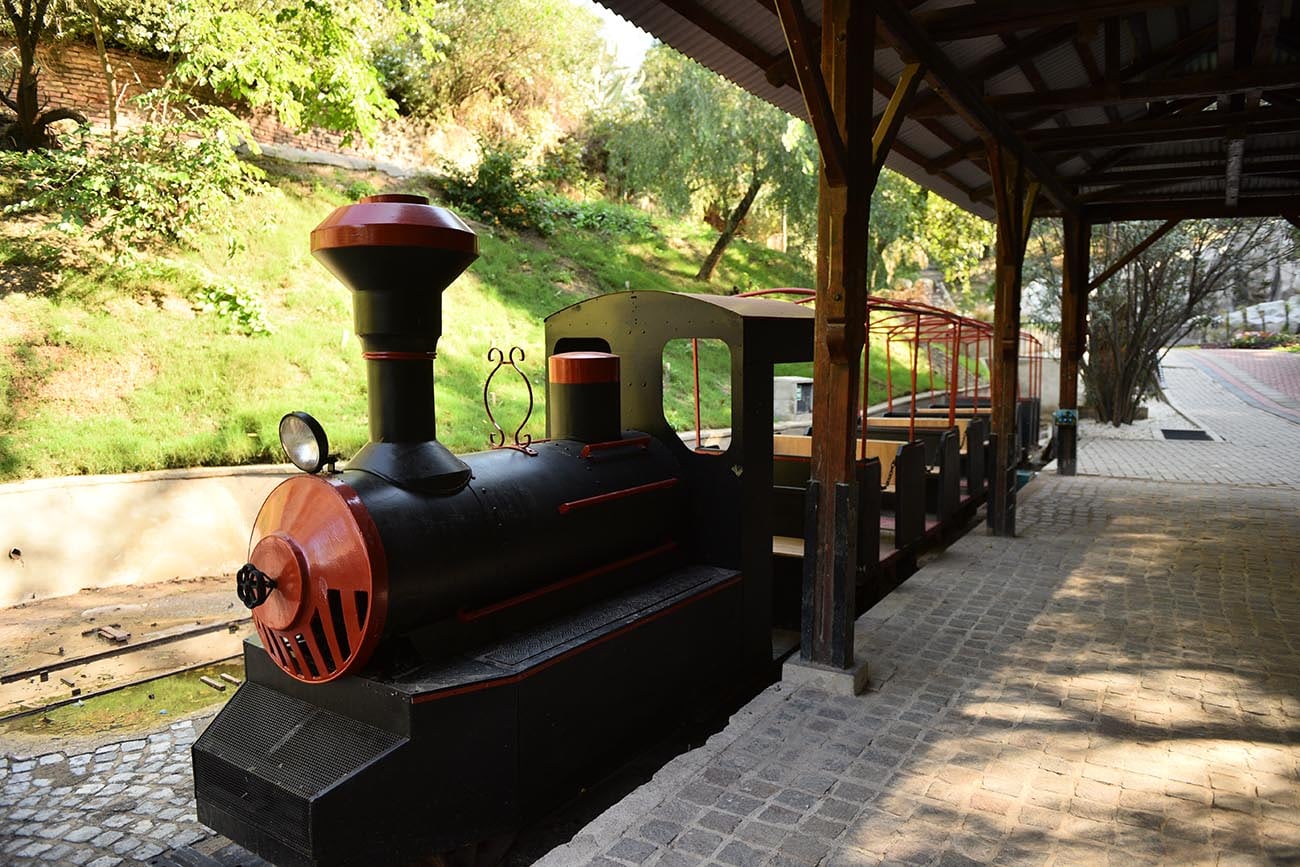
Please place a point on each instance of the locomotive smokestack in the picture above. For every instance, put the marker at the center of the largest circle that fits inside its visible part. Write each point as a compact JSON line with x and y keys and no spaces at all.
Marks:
{"x":397,"y":254}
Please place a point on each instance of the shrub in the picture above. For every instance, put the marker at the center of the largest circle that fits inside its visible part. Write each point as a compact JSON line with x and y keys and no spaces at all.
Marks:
{"x":604,"y":217}
{"x":243,"y":310}
{"x":500,"y":190}
{"x":1263,"y":340}
{"x":152,"y":186}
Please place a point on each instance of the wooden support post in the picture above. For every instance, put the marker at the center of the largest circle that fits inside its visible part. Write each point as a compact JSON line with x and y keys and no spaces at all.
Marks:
{"x":847,"y":46}
{"x":1074,"y":323}
{"x":1014,"y":196}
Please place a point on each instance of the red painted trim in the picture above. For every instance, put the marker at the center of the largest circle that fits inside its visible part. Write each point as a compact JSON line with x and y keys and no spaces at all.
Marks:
{"x":600,"y":499}
{"x":399,"y":356}
{"x":519,"y":678}
{"x":496,"y":607}
{"x":582,"y":368}
{"x":641,"y":442}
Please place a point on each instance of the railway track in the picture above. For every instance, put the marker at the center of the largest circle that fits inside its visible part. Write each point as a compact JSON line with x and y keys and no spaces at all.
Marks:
{"x":66,"y":680}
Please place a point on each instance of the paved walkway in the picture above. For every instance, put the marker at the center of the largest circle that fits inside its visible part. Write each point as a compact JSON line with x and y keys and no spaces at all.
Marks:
{"x":1121,"y":683}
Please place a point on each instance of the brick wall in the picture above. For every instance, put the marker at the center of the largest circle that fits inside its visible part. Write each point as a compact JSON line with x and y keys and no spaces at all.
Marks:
{"x":71,"y":76}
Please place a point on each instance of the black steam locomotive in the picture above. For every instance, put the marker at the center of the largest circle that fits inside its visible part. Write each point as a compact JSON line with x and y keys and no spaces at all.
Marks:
{"x":445,"y":645}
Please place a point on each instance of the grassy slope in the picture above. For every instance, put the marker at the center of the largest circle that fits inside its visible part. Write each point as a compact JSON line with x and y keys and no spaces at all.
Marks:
{"x":108,"y":368}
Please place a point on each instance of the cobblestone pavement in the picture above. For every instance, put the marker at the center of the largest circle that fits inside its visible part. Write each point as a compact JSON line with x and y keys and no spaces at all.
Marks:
{"x":1121,"y":684}
{"x":122,"y":803}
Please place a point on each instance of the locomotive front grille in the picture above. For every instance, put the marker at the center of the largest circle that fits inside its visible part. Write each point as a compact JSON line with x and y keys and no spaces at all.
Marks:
{"x":268,"y":759}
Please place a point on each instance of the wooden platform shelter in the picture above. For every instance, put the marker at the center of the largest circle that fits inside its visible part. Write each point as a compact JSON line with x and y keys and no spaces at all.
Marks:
{"x":1090,"y":110}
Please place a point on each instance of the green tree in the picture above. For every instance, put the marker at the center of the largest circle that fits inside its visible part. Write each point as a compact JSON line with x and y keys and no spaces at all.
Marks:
{"x":897,"y":221}
{"x":1154,"y":301}
{"x":955,"y":240}
{"x":28,"y":23}
{"x":698,"y":140}
{"x":505,"y":68}
{"x":306,"y":60}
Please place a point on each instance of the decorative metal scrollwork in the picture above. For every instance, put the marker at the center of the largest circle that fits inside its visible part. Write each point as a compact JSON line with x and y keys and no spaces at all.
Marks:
{"x":498,"y":439}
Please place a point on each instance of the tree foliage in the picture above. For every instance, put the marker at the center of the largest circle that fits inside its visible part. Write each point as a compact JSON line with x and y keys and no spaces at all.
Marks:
{"x":505,"y":68}
{"x":697,"y":141}
{"x":897,"y":226}
{"x":956,"y":241}
{"x":306,"y":60}
{"x":309,"y":61}
{"x":155,"y":185}
{"x":907,"y":221}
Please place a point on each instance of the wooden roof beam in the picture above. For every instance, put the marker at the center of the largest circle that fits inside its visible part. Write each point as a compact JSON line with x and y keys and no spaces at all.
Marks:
{"x":1227,"y":55}
{"x":994,"y":17}
{"x":1196,"y":171}
{"x":1177,"y":52}
{"x":807,"y":66}
{"x":1198,"y":126}
{"x":1270,"y":17}
{"x":1025,"y":49}
{"x":1141,"y":160}
{"x":1238,"y":81}
{"x":1202,"y":207}
{"x":1093,"y":71}
{"x":947,"y":81}
{"x":1137,"y":250}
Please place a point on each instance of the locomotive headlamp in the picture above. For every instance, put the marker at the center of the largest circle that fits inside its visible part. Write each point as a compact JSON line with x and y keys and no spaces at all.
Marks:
{"x":304,"y":441}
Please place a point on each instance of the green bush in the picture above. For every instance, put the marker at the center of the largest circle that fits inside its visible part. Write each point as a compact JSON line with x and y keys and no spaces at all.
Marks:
{"x":1263,"y":340}
{"x":501,"y":190}
{"x":504,"y":191}
{"x":600,"y":216}
{"x":152,"y":186}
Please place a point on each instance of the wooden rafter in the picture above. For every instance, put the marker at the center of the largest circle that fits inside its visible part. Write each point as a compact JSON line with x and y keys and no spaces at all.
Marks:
{"x":889,"y":123}
{"x":1203,"y":207}
{"x":1012,"y":16}
{"x":1171,"y":55}
{"x":1270,"y":16}
{"x":1188,"y":172}
{"x":1183,"y":127}
{"x":910,"y":41}
{"x":1026,"y":48}
{"x":1138,"y":250}
{"x":1237,"y":81}
{"x":799,"y":39}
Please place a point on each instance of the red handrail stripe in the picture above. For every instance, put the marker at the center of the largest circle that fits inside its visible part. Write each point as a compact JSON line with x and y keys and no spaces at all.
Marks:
{"x":640,"y":442}
{"x":566,"y":508}
{"x":399,"y":356}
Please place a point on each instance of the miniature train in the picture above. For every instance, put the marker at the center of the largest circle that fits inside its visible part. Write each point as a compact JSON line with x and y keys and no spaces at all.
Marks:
{"x":448,"y":646}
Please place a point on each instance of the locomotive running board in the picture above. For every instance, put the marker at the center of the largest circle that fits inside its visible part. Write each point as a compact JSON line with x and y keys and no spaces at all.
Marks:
{"x":368,"y":770}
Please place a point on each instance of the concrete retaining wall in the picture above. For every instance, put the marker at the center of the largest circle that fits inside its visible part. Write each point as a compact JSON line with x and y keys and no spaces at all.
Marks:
{"x":58,"y":536}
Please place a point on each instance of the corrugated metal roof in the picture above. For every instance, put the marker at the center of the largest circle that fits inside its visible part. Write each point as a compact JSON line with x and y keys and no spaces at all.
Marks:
{"x":1147,"y":34}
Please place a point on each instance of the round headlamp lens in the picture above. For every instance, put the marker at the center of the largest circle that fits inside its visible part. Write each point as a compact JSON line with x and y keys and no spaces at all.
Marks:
{"x":303,"y":440}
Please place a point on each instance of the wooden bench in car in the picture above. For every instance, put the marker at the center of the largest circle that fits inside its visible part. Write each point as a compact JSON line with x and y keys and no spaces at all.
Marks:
{"x":905,"y":488}
{"x":892,"y":427}
{"x":882,"y":450}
